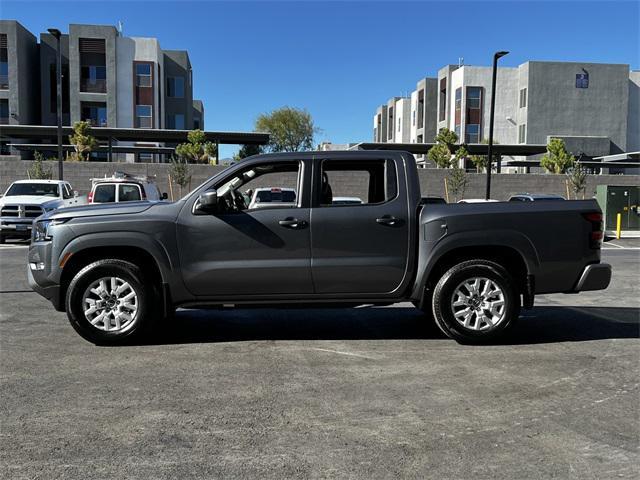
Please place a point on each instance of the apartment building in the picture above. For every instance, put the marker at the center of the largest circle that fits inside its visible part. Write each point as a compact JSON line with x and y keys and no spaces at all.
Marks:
{"x":19,"y":93}
{"x":593,"y":107}
{"x":108,"y":79}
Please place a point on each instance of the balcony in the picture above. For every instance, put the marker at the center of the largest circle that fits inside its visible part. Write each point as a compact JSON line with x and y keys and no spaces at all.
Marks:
{"x":93,"y":85}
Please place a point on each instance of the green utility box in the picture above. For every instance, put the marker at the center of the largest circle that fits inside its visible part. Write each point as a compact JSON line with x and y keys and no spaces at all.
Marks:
{"x":616,"y":199}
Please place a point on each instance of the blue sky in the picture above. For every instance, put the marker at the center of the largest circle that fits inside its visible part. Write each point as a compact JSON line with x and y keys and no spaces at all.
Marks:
{"x":342,"y":59}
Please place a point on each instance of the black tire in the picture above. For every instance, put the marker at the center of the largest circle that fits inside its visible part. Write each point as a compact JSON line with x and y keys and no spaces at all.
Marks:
{"x":443,"y":295}
{"x":147,"y":301}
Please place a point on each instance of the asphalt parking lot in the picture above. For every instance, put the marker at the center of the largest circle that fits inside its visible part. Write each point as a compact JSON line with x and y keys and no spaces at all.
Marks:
{"x":361,"y":393}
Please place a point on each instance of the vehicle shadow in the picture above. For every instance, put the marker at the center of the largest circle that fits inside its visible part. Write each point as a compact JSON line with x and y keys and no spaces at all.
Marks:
{"x":546,"y":324}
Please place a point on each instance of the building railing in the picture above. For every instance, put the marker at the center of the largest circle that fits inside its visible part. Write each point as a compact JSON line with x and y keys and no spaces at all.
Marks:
{"x":93,"y":85}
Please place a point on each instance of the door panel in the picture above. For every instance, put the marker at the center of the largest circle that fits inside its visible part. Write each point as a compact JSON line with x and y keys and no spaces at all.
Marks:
{"x":360,"y":249}
{"x":246,"y":253}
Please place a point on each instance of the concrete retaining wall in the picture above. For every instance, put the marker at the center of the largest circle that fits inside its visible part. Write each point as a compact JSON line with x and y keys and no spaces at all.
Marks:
{"x":431,"y":180}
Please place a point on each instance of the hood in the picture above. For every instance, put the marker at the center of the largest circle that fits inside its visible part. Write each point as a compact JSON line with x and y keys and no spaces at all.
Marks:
{"x":100,"y":209}
{"x":28,"y":200}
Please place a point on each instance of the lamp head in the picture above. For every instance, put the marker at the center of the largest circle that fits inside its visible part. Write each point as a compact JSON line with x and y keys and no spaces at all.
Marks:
{"x":500,"y":54}
{"x":55,"y":32}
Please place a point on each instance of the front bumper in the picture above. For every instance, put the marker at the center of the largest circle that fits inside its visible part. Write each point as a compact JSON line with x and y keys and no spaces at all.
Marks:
{"x":594,"y":277}
{"x":14,"y":228}
{"x":51,"y":292}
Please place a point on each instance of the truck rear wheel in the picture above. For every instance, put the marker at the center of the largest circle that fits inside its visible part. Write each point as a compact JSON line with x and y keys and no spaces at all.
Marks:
{"x":109,"y":303}
{"x":475,"y":301}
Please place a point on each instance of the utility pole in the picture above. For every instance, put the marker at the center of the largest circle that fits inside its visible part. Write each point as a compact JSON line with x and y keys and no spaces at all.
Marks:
{"x":56,"y":33}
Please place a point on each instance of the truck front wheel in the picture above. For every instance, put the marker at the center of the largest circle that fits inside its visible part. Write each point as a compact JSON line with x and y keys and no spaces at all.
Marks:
{"x":475,"y":301}
{"x":109,"y":303}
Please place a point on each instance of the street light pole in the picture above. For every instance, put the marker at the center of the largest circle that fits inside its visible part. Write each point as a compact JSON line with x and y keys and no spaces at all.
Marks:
{"x":56,"y":33}
{"x":496,"y":56}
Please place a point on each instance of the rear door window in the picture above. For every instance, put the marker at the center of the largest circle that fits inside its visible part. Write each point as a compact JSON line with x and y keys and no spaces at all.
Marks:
{"x":104,"y":193}
{"x":128,"y":193}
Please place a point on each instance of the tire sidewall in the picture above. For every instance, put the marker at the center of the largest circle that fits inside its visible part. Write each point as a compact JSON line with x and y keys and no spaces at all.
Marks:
{"x":105,"y":268}
{"x":445,"y":288}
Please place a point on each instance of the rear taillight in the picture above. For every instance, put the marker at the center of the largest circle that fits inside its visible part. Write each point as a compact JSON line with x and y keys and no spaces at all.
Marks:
{"x":597,"y":234}
{"x":90,"y":197}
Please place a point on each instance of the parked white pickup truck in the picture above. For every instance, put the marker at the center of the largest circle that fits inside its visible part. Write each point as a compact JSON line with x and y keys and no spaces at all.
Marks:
{"x":25,"y":200}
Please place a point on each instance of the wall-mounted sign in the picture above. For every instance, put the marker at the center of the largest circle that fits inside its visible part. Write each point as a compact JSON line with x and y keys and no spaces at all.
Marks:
{"x":582,"y":80}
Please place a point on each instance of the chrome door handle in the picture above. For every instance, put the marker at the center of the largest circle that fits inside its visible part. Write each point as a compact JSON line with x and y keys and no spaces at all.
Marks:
{"x":388,"y":220}
{"x":290,"y":222}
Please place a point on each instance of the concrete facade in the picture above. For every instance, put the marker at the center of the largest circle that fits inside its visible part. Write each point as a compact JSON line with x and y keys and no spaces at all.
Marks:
{"x":22,"y":96}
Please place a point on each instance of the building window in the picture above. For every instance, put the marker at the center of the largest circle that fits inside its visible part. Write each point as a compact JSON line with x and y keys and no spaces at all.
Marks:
{"x":522,"y":133}
{"x":473,"y":119}
{"x":94,"y":112}
{"x":4,"y":63}
{"x":175,"y":87}
{"x":582,"y":80}
{"x":390,"y":124}
{"x":421,"y":109}
{"x":399,"y":123}
{"x":143,"y":75}
{"x":413,"y":118}
{"x":93,"y":65}
{"x":379,"y":129}
{"x":442,"y":108}
{"x":523,"y":97}
{"x":53,"y":89}
{"x":458,"y":112}
{"x":420,"y":139}
{"x":4,"y":111}
{"x":196,"y":123}
{"x":175,"y":121}
{"x":144,"y":116}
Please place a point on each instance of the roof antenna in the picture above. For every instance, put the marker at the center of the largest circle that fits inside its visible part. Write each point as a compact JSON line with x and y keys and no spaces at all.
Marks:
{"x":120,"y":27}
{"x":460,"y":61}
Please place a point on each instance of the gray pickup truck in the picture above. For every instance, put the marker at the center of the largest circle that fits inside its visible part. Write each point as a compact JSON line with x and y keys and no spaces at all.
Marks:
{"x":117,"y":269}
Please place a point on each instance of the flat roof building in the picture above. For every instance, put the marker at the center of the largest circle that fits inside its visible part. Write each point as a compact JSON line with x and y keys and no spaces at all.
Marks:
{"x":594,"y":107}
{"x":108,"y":80}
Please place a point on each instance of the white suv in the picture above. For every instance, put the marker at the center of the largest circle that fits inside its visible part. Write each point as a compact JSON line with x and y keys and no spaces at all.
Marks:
{"x":122,"y":187}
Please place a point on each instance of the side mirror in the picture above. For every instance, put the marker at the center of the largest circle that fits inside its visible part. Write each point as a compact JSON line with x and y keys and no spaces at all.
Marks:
{"x":75,"y":193}
{"x":164,"y":196}
{"x":207,"y":201}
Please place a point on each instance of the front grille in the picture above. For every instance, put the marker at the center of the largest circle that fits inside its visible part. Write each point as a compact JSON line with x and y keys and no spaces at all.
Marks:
{"x":21,"y":211}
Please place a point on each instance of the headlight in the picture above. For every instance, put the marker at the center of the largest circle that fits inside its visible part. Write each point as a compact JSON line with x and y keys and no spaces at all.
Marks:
{"x":41,"y":229}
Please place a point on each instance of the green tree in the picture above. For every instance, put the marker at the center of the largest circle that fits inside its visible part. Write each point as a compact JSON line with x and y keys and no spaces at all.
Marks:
{"x":290,"y":129}
{"x":457,"y":182}
{"x":480,"y":161}
{"x":247,"y":151}
{"x":38,"y":171}
{"x":179,"y":173}
{"x":557,"y":159}
{"x":577,"y":177}
{"x":83,"y":142}
{"x":461,"y":153}
{"x":197,"y":149}
{"x":440,"y":153}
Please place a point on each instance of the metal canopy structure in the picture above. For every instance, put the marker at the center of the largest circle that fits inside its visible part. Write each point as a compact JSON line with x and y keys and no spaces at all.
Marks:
{"x":472,"y":148}
{"x":101,"y":148}
{"x":135,"y":134}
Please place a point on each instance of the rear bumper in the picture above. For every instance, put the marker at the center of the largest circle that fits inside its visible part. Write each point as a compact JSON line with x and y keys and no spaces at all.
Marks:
{"x":594,"y":277}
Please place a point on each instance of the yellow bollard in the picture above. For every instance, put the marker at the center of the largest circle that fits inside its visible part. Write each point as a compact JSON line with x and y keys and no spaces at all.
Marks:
{"x":619,"y":226}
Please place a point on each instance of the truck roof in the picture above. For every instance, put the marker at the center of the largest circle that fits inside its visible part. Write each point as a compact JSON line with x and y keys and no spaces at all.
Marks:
{"x":41,"y":181}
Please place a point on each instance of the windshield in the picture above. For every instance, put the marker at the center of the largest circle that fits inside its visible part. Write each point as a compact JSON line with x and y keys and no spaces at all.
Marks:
{"x":276,"y":195}
{"x":39,"y":189}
